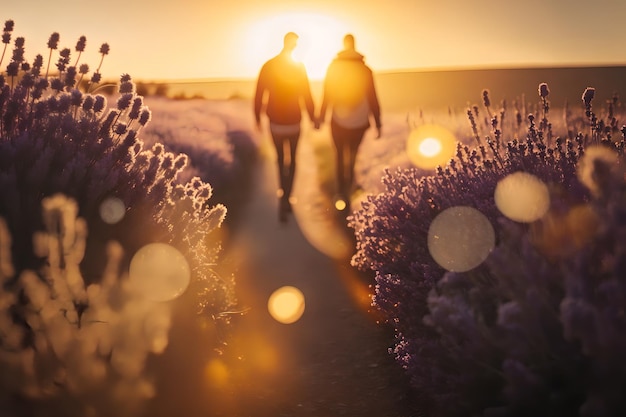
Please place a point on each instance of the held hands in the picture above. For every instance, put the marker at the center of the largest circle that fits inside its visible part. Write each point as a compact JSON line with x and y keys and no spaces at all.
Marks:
{"x":318,"y":122}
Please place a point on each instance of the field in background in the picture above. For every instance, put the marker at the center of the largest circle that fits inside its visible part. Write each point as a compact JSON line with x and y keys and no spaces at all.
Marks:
{"x":432,"y":90}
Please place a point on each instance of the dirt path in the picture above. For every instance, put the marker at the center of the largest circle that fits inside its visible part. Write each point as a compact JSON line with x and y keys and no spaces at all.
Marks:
{"x":331,"y":362}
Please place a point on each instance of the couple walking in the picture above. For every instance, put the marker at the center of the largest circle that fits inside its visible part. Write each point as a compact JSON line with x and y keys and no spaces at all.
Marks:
{"x":283,"y":90}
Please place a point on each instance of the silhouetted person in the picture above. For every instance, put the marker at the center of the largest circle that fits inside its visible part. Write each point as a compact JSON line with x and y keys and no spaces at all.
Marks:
{"x":349,"y":90}
{"x":282,"y":89}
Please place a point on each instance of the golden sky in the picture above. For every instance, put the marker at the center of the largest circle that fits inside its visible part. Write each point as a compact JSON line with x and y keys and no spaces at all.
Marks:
{"x":189,"y":39}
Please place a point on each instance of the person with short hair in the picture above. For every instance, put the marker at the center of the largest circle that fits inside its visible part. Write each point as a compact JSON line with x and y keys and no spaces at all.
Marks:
{"x":282,"y":90}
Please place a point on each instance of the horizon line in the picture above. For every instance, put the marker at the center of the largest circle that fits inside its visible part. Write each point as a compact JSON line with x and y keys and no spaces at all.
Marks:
{"x":216,"y":79}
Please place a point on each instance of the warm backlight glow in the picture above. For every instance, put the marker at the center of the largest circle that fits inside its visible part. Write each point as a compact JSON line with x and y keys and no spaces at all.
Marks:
{"x":320,"y":38}
{"x":217,"y":373}
{"x":286,"y":304}
{"x":429,"y":146}
{"x":522,"y":197}
{"x":460,"y":238}
{"x":159,"y":272}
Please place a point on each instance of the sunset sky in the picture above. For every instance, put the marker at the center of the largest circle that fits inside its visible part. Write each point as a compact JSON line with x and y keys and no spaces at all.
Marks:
{"x":189,"y":39}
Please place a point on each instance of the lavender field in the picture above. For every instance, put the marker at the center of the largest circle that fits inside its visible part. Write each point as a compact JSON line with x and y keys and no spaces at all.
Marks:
{"x":480,"y":269}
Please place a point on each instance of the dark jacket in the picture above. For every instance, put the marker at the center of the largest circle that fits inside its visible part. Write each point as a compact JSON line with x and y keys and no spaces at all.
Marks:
{"x":286,"y":83}
{"x":348,"y":83}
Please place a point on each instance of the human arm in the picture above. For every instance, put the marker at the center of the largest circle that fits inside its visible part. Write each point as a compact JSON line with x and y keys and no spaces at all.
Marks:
{"x":374,"y":105}
{"x":258,"y":97}
{"x":321,"y":116}
{"x":319,"y":120}
{"x":307,"y":96}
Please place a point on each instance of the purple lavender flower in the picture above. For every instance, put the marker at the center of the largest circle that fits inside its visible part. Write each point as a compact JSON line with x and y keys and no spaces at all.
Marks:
{"x":588,"y":95}
{"x":96,"y":77}
{"x":13,"y":69}
{"x":18,"y":51}
{"x":120,"y":128}
{"x":55,"y":138}
{"x":9,"y":25}
{"x":127,"y":86}
{"x":144,"y":117}
{"x":53,"y":41}
{"x":124,"y":101}
{"x":57,"y":85}
{"x":99,"y":104}
{"x":64,"y":59}
{"x":135,"y":110}
{"x":486,"y":101}
{"x":537,"y":326}
{"x":88,"y":103}
{"x":81,"y":44}
{"x":70,"y":77}
{"x":76,"y":97}
{"x":104,"y":49}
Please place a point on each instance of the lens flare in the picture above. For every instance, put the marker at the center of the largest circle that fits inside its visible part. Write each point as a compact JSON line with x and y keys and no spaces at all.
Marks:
{"x":522,"y":197}
{"x":112,"y":210}
{"x":319,"y":39}
{"x":429,"y":146}
{"x":460,"y":238}
{"x":286,"y":304}
{"x":340,"y":204}
{"x":159,"y":272}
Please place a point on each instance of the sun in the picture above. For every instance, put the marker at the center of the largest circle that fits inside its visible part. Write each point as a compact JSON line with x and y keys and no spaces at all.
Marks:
{"x":320,"y":38}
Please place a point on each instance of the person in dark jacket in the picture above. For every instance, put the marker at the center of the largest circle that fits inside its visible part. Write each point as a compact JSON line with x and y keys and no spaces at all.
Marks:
{"x":349,"y":90}
{"x":282,"y":90}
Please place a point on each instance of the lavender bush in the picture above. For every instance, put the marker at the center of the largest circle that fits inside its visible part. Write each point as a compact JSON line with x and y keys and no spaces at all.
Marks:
{"x":217,"y":139}
{"x":535,"y":329}
{"x":68,"y":348}
{"x":60,"y":142}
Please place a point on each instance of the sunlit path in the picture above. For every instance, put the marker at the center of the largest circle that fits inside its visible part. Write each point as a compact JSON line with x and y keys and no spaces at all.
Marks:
{"x":331,"y":361}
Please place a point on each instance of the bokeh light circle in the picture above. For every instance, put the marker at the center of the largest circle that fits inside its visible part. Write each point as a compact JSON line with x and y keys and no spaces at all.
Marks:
{"x":430,"y":145}
{"x":460,"y":238}
{"x":522,"y":197}
{"x":340,"y":204}
{"x":217,"y":372}
{"x":286,"y":304}
{"x":112,"y":210}
{"x":159,"y":272}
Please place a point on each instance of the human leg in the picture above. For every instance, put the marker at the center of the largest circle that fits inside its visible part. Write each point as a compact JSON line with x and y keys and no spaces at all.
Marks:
{"x":279,"y":144}
{"x":290,"y":165}
{"x":280,"y":160}
{"x":286,"y":147}
{"x":354,"y":141}
{"x":285,"y":139}
{"x":338,"y":134}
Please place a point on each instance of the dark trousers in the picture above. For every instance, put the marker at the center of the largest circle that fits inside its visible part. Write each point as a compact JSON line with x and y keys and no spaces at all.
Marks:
{"x":347,"y":142}
{"x":286,"y":166}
